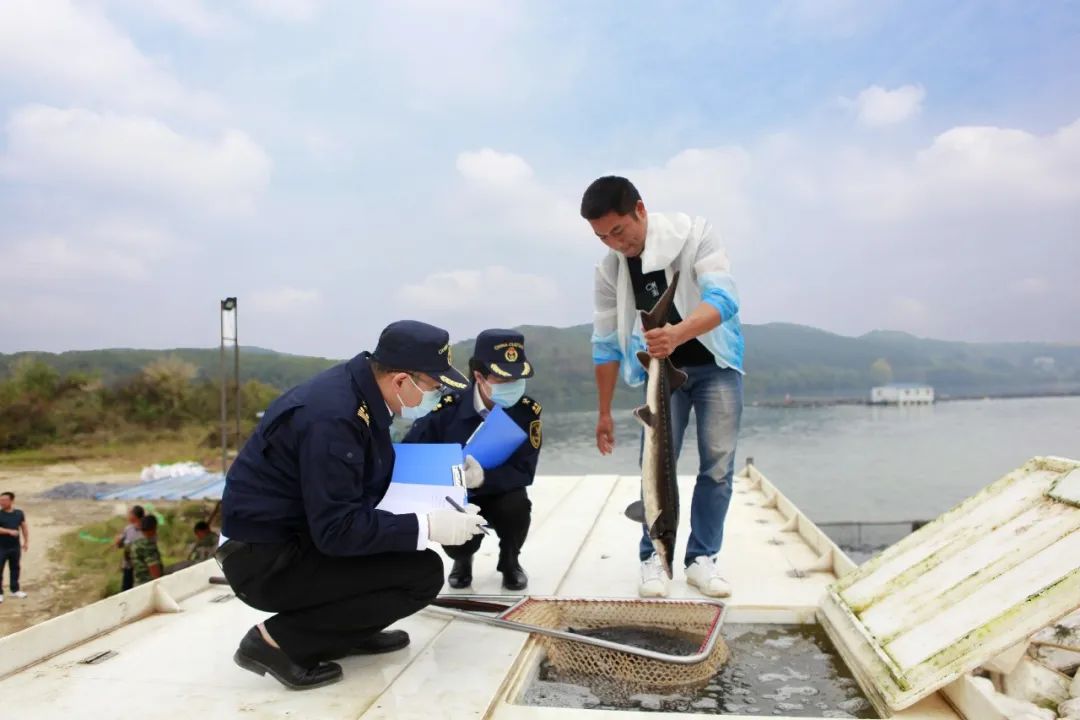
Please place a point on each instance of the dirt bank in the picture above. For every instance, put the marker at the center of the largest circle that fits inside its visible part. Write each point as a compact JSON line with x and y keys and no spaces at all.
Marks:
{"x":50,"y":592}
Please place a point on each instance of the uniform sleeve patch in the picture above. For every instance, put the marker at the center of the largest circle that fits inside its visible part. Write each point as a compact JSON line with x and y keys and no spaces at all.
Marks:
{"x":535,"y":433}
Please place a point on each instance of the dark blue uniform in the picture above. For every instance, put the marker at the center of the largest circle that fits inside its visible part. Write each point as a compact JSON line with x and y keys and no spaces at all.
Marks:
{"x":502,"y":499}
{"x":304,"y":538}
{"x":317,"y":465}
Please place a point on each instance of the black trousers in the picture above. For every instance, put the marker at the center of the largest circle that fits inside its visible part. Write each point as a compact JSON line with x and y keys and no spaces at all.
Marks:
{"x":510,"y":514}
{"x":127,"y":581}
{"x":10,"y":557}
{"x":325,"y":604}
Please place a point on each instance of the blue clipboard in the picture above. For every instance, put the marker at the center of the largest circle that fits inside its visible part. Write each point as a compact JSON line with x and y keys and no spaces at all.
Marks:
{"x":495,"y":440}
{"x":426,"y":464}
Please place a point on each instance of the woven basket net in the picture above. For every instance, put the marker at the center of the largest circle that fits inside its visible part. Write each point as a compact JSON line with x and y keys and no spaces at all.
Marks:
{"x":574,"y":660}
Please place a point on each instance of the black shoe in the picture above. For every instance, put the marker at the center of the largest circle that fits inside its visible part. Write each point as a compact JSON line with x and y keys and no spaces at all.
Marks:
{"x":381,"y":642}
{"x":515,"y":578}
{"x":258,"y":656}
{"x":461,"y":573}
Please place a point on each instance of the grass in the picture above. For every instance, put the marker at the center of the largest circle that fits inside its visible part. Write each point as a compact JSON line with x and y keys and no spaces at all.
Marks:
{"x":129,"y":452}
{"x":90,"y":570}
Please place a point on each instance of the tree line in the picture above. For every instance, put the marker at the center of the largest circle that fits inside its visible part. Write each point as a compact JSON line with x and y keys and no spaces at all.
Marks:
{"x":40,"y":406}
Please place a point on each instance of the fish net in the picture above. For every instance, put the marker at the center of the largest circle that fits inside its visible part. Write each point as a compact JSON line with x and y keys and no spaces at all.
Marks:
{"x":677,"y":627}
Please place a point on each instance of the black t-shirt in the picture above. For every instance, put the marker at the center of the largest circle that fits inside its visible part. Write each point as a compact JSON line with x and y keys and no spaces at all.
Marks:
{"x":10,"y":521}
{"x":648,"y":287}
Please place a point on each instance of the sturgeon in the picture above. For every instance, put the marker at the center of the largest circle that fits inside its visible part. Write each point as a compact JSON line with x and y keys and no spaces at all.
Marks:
{"x":658,"y":508}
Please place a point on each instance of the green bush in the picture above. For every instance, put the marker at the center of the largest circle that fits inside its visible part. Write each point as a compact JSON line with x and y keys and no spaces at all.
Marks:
{"x":40,"y":407}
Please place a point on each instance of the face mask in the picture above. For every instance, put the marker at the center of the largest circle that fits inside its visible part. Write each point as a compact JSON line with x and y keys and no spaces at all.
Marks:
{"x":506,"y":394}
{"x":427,"y":403}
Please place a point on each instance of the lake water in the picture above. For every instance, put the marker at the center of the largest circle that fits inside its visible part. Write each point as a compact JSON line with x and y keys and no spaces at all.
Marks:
{"x":854,"y":462}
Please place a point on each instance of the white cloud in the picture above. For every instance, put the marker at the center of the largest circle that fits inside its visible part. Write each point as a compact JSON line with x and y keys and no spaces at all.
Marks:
{"x":489,"y":167}
{"x":852,"y":237}
{"x":715,"y":182}
{"x":492,"y":296}
{"x":501,"y":204}
{"x":133,"y":154}
{"x":877,"y":107}
{"x":285,"y":300}
{"x":990,"y":165}
{"x":294,"y":10}
{"x":191,"y":15}
{"x":115,"y":249}
{"x":203,"y":18}
{"x":58,"y":48}
{"x":51,"y":258}
{"x":844,"y":235}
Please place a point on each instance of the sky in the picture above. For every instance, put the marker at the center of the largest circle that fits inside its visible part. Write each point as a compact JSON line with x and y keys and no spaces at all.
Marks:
{"x":909,"y":166}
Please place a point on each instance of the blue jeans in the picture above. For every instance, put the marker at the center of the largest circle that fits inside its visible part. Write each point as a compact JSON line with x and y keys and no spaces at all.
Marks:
{"x":716,"y":395}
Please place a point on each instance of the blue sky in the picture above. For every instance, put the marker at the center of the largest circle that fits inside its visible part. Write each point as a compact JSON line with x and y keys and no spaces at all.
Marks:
{"x":911,"y":166}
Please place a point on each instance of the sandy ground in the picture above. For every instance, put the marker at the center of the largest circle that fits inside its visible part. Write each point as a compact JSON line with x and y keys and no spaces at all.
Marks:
{"x":48,"y":520}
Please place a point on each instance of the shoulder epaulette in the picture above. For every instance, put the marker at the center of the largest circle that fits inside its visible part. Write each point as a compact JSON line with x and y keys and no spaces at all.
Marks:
{"x":444,"y":401}
{"x":530,"y":403}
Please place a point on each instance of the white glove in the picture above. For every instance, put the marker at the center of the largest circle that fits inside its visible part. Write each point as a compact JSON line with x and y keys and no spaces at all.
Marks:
{"x":450,"y":527}
{"x":473,"y":473}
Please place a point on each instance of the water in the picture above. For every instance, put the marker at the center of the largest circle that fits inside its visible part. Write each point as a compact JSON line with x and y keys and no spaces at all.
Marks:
{"x":854,"y":462}
{"x":790,"y":670}
{"x":663,"y":641}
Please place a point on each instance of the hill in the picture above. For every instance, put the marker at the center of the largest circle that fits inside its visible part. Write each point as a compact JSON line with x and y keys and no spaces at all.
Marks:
{"x":781,"y":359}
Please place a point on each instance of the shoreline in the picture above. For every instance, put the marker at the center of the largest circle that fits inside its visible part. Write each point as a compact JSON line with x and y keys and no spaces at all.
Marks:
{"x":848,"y":400}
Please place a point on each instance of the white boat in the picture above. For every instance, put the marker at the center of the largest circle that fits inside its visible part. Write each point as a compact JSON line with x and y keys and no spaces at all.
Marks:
{"x":966,"y":591}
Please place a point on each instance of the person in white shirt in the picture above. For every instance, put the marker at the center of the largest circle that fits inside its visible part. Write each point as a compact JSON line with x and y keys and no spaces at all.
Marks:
{"x":703,"y":338}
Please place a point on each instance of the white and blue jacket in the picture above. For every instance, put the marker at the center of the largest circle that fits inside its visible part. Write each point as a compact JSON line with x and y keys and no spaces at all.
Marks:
{"x":672,"y":242}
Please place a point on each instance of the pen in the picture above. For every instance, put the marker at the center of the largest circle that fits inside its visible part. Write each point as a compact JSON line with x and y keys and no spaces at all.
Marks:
{"x":461,"y":509}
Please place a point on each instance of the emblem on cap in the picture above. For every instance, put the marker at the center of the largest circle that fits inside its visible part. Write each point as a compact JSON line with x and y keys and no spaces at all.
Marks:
{"x":511,"y":354}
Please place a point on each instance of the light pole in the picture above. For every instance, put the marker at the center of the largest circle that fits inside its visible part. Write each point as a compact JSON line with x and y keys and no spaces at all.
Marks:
{"x":228,"y":307}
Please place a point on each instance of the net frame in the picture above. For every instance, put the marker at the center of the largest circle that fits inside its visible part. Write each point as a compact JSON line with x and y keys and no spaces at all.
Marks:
{"x":593,"y":659}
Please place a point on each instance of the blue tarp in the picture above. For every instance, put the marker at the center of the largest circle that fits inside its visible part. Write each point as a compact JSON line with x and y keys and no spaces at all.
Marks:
{"x":201,"y":486}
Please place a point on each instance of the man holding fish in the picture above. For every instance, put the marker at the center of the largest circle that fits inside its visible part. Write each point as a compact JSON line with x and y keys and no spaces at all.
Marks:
{"x":666,"y":311}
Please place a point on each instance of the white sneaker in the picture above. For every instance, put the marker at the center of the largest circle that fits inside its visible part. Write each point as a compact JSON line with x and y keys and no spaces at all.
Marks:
{"x":1,"y":598}
{"x":21,"y":595}
{"x":654,"y":581}
{"x":704,"y":574}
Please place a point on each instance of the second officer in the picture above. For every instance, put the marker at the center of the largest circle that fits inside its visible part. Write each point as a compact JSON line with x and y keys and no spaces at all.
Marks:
{"x":498,"y":370}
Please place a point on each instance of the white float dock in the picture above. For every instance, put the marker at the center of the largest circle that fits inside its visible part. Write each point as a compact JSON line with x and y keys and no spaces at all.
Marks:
{"x":165,"y":649}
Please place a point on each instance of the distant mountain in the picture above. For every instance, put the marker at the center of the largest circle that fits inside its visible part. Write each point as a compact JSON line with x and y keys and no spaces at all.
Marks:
{"x":781,"y":359}
{"x":278,"y":369}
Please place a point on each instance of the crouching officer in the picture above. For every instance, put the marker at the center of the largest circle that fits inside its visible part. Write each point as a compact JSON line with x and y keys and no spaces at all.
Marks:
{"x":499,"y":369}
{"x":304,"y":538}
